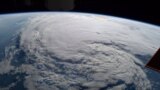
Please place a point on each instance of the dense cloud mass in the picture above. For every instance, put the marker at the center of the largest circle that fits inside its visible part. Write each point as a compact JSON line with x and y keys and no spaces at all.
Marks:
{"x":59,"y":51}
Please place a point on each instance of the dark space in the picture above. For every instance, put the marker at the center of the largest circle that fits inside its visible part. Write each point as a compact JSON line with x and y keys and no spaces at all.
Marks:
{"x":146,"y":11}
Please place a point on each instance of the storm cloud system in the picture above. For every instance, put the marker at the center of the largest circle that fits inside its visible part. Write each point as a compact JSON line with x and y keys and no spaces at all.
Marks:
{"x":76,"y":51}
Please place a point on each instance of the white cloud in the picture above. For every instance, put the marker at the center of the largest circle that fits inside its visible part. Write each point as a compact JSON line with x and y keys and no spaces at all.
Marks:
{"x":78,"y":51}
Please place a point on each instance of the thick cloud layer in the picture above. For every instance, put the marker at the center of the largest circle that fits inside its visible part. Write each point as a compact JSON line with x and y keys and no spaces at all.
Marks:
{"x":81,"y":51}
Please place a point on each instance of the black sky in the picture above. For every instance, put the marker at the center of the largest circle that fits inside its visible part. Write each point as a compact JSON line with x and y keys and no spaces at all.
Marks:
{"x":142,"y":10}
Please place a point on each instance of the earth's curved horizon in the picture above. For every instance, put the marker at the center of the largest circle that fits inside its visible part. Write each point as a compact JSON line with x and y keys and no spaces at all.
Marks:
{"x":76,"y":51}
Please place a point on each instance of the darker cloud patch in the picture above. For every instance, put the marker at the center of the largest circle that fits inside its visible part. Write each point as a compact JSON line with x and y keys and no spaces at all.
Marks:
{"x":111,"y":85}
{"x":20,"y":57}
{"x":143,"y":58}
{"x":9,"y":78}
